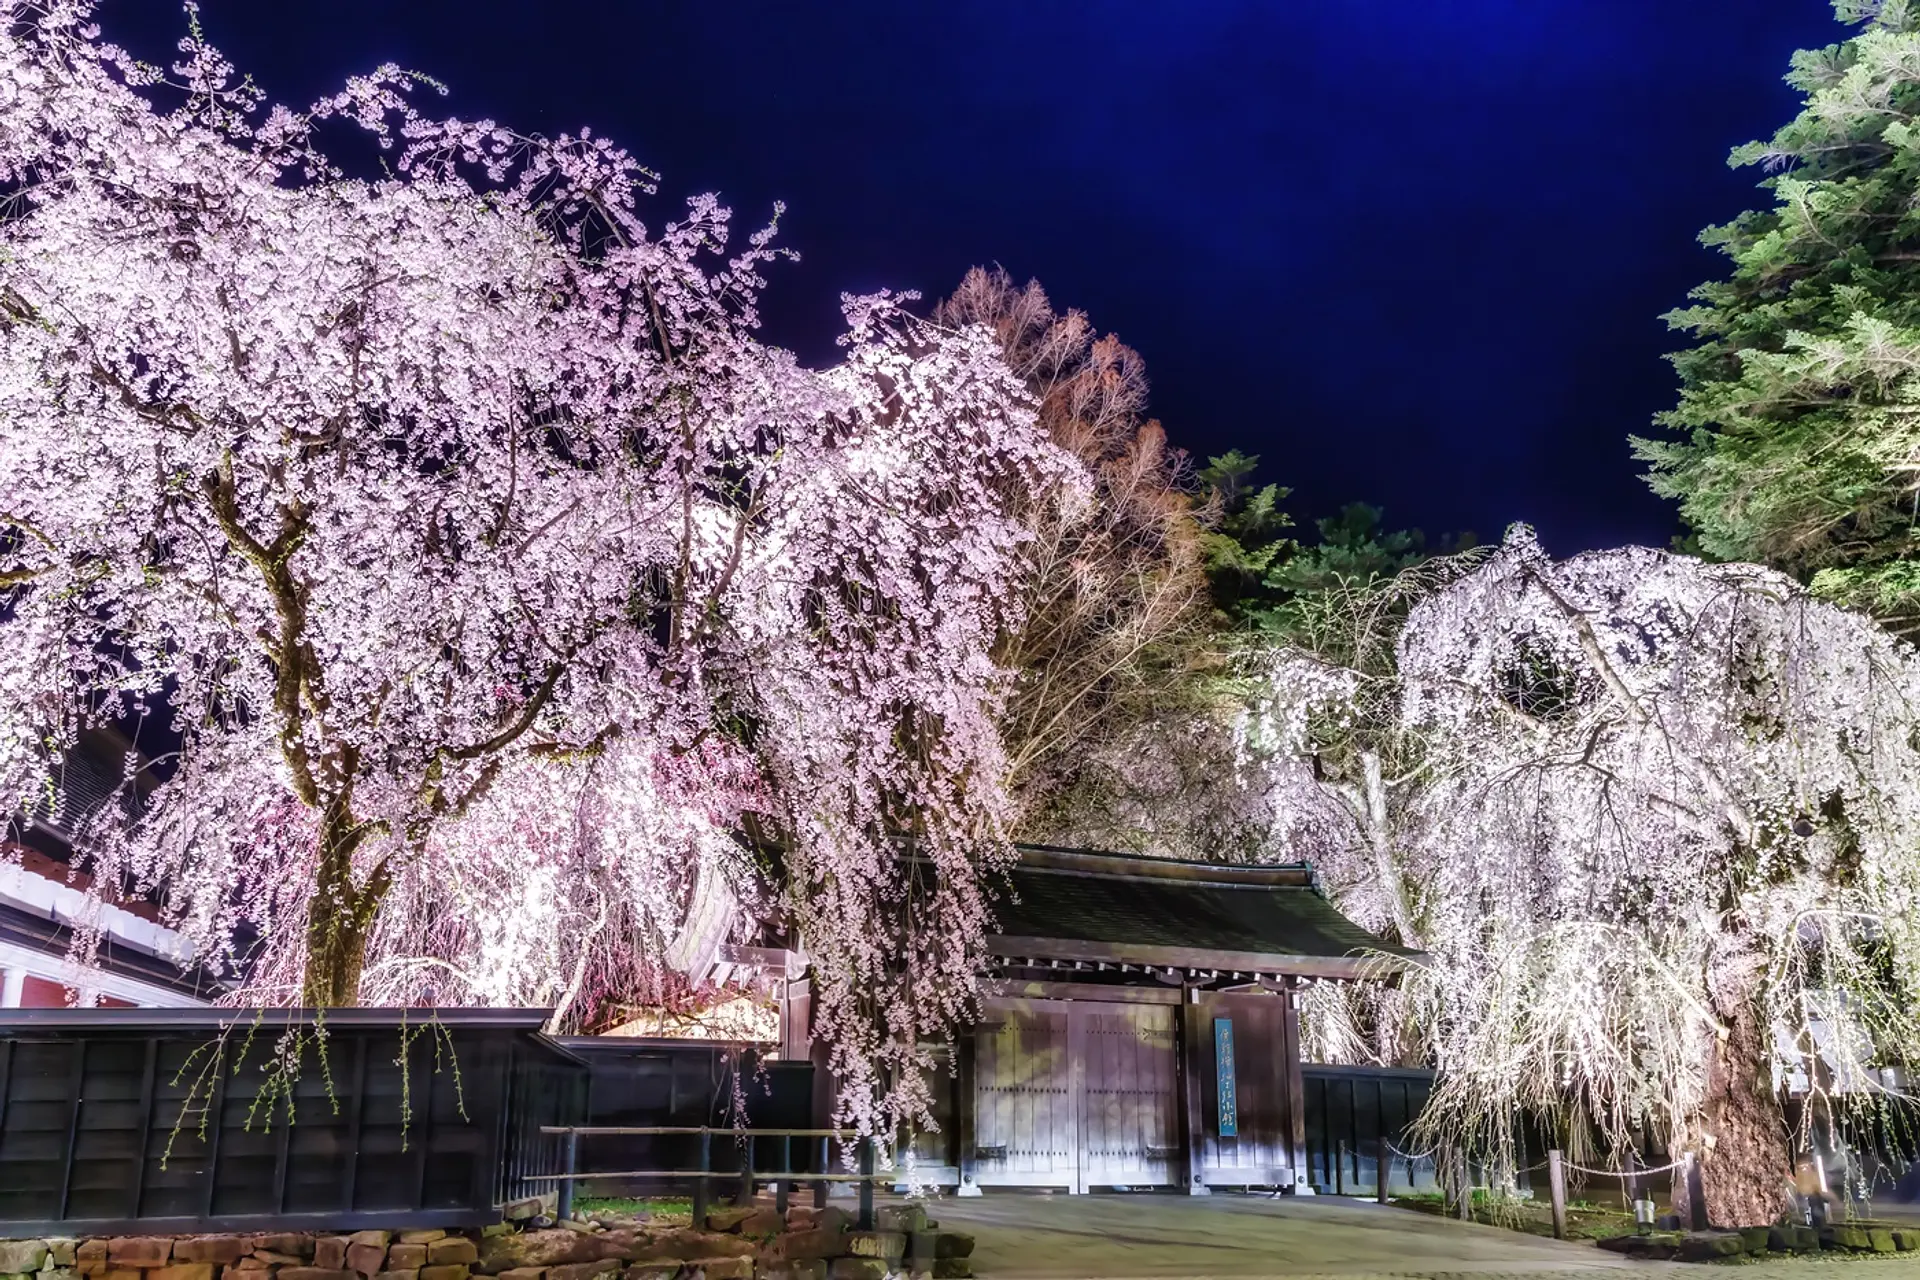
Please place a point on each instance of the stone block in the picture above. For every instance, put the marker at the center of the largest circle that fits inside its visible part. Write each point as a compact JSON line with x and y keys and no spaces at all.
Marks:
{"x":91,"y":1251}
{"x":729,"y":1217}
{"x":684,"y":1244}
{"x":420,"y":1237}
{"x":665,"y":1269}
{"x":939,"y":1244}
{"x":1880,"y":1239}
{"x":219,"y":1250}
{"x":798,"y":1269}
{"x":57,"y":1273}
{"x":262,"y":1258}
{"x":493,"y":1229}
{"x":330,"y":1253}
{"x":452,"y":1250}
{"x":317,"y":1273}
{"x":889,"y":1246}
{"x":248,"y":1268}
{"x":1906,"y":1239}
{"x":763,"y":1222}
{"x":817,"y":1243}
{"x":952,"y":1268}
{"x":61,"y":1251}
{"x":1703,"y":1246}
{"x":407,"y":1257}
{"x":367,"y":1259}
{"x":399,"y":1273}
{"x":583,"y":1270}
{"x":544,"y":1248}
{"x":830,"y":1218}
{"x":18,"y":1257}
{"x":857,"y":1269}
{"x":525,"y":1273}
{"x":381,"y":1238}
{"x":1845,"y":1235}
{"x":445,"y":1271}
{"x":122,"y":1273}
{"x":290,"y":1243}
{"x":182,"y":1271}
{"x":905,"y":1218}
{"x":139,"y":1251}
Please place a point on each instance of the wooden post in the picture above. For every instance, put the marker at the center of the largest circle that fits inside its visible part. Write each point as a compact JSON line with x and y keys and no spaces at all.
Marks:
{"x":700,"y":1181}
{"x":1383,"y":1171}
{"x":786,"y":1166}
{"x":1557,"y":1189}
{"x":569,"y":1163}
{"x":866,"y":1184}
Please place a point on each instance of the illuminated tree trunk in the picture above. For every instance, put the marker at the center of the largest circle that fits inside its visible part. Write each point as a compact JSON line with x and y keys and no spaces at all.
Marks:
{"x":1746,"y":1158}
{"x":340,"y":913}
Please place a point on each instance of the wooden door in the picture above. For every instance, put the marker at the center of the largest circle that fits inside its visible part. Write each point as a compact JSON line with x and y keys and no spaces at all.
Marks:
{"x":1130,"y":1125}
{"x":1076,"y":1094}
{"x":1026,"y":1125}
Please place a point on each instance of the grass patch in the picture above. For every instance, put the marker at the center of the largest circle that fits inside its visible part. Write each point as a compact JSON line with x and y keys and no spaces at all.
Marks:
{"x":667,"y":1210}
{"x":1585,"y":1220}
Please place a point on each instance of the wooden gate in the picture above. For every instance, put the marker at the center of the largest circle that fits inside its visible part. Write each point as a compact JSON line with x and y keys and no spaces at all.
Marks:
{"x":1076,"y":1094}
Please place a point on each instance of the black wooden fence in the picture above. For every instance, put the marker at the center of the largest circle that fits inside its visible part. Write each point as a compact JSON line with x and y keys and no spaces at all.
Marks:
{"x":1350,"y":1112}
{"x":638,"y":1083}
{"x":177,"y":1120}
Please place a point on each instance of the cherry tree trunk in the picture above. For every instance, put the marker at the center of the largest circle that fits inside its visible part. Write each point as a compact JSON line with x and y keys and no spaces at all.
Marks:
{"x":1746,"y":1158}
{"x":339,"y":916}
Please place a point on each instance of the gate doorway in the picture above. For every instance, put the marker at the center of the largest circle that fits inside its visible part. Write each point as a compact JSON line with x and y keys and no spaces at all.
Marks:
{"x":1076,"y":1094}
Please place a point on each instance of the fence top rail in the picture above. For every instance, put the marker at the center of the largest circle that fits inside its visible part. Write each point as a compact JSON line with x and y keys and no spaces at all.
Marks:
{"x":591,"y":1131}
{"x":724,"y":1175}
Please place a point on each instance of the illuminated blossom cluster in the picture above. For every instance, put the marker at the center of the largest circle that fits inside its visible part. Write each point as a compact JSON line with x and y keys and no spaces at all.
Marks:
{"x":447,"y":512}
{"x":1655,"y":821}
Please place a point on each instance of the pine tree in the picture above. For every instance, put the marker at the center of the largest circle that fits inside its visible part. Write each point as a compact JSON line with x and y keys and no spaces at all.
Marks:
{"x":1800,"y":412}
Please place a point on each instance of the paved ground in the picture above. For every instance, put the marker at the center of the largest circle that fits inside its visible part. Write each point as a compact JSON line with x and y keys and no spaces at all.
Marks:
{"x":1233,"y":1237}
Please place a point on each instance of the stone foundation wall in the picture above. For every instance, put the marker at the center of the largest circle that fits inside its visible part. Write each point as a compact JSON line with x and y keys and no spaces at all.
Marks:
{"x":755,"y":1243}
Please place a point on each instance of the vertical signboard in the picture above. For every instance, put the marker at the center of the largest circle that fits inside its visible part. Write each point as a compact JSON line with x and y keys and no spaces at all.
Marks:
{"x":1227,"y":1092}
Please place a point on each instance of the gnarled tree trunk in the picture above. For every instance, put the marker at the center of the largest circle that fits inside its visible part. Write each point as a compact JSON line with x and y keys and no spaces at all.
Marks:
{"x":1745,"y":1152}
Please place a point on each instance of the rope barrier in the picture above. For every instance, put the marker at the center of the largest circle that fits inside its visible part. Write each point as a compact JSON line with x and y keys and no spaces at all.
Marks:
{"x":1430,"y":1152}
{"x":1620,"y":1173}
{"x":1408,"y":1155}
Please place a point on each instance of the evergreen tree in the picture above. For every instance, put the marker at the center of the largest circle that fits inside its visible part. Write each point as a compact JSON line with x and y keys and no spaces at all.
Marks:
{"x":1799,"y":420}
{"x":1265,"y":579}
{"x":1248,"y":537}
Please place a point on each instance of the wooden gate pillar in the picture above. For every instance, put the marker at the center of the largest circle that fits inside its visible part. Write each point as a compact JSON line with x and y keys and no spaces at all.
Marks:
{"x":1191,"y":1029}
{"x":966,"y":1101}
{"x":1296,"y":1093}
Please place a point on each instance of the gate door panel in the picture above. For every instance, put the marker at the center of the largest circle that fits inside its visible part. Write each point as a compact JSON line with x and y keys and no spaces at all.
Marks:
{"x":1130,"y":1126}
{"x":1026,"y":1130}
{"x":1076,"y":1094}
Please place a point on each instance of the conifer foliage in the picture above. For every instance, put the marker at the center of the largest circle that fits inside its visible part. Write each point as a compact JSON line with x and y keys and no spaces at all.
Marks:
{"x":1798,"y":444}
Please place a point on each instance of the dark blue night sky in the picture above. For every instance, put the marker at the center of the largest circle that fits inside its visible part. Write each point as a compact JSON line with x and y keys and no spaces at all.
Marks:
{"x":1413,"y":253}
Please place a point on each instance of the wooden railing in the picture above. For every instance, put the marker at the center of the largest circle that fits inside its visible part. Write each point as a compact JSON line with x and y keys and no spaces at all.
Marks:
{"x":782,"y":1178}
